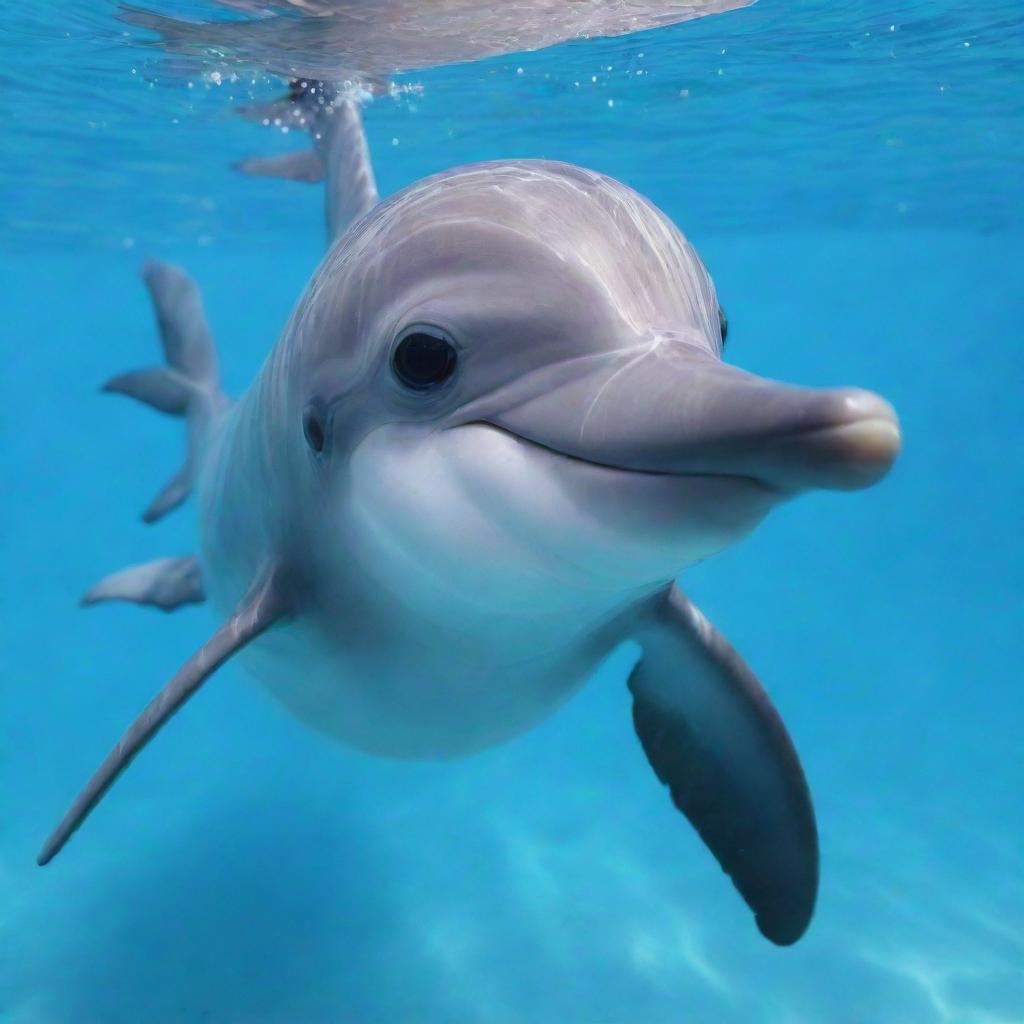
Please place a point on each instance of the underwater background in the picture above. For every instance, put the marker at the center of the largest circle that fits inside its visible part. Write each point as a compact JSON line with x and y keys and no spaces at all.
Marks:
{"x":852,"y":176}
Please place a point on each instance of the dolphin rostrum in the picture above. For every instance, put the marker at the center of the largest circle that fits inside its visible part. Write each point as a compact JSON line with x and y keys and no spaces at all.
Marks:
{"x":494,"y":430}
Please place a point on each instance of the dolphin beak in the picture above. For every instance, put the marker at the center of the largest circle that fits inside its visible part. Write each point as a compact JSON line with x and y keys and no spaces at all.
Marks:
{"x":674,"y":408}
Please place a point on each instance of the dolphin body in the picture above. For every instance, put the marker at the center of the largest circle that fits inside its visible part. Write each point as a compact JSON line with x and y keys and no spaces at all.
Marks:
{"x":353,"y":39}
{"x":495,"y":429}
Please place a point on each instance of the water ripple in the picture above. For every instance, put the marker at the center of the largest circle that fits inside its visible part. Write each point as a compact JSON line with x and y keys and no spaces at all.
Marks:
{"x":776,"y":116}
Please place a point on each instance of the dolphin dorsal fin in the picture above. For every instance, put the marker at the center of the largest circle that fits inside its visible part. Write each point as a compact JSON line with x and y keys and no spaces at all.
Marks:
{"x":264,"y":605}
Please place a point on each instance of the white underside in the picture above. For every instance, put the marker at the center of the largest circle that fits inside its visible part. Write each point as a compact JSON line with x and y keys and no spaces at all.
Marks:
{"x":466,"y":580}
{"x":402,"y":701}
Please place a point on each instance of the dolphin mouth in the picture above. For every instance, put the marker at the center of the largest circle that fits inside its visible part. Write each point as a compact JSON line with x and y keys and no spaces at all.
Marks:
{"x":612,"y":467}
{"x":851,"y":455}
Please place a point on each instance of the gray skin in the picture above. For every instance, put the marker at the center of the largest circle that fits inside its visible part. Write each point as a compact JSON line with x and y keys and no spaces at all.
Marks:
{"x":426,"y":573}
{"x":353,"y":39}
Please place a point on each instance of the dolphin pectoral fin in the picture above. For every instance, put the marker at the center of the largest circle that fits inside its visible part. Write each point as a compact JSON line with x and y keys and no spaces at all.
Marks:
{"x":713,"y":737}
{"x":166,"y":583}
{"x":264,"y":606}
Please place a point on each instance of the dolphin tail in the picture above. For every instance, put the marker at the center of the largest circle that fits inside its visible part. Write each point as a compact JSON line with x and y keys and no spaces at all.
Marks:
{"x":340,"y":155}
{"x":188,"y":385}
{"x":264,"y":605}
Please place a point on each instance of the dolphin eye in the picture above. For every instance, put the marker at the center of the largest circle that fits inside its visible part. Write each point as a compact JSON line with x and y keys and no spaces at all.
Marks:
{"x":424,"y":358}
{"x":723,"y":323}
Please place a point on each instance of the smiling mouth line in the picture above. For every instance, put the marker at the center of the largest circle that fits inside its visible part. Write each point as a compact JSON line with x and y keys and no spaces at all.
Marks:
{"x":624,"y":470}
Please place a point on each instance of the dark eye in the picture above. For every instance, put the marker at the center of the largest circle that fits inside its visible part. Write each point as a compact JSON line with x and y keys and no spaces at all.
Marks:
{"x":313,"y":429}
{"x":723,"y":323}
{"x":424,"y":358}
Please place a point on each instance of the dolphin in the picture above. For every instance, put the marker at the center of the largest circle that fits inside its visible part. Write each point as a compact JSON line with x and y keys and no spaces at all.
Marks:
{"x":495,"y":429}
{"x":352,"y":39}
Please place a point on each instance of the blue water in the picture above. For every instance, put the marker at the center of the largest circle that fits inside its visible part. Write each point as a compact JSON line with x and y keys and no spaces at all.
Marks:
{"x":245,"y":869}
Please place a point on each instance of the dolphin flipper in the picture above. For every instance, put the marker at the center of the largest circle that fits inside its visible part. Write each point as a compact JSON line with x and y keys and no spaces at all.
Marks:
{"x":166,"y":583}
{"x":262,"y":607}
{"x":713,"y":737}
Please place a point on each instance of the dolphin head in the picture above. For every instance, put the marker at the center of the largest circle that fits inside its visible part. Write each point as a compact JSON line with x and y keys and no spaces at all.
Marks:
{"x":510,"y":376}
